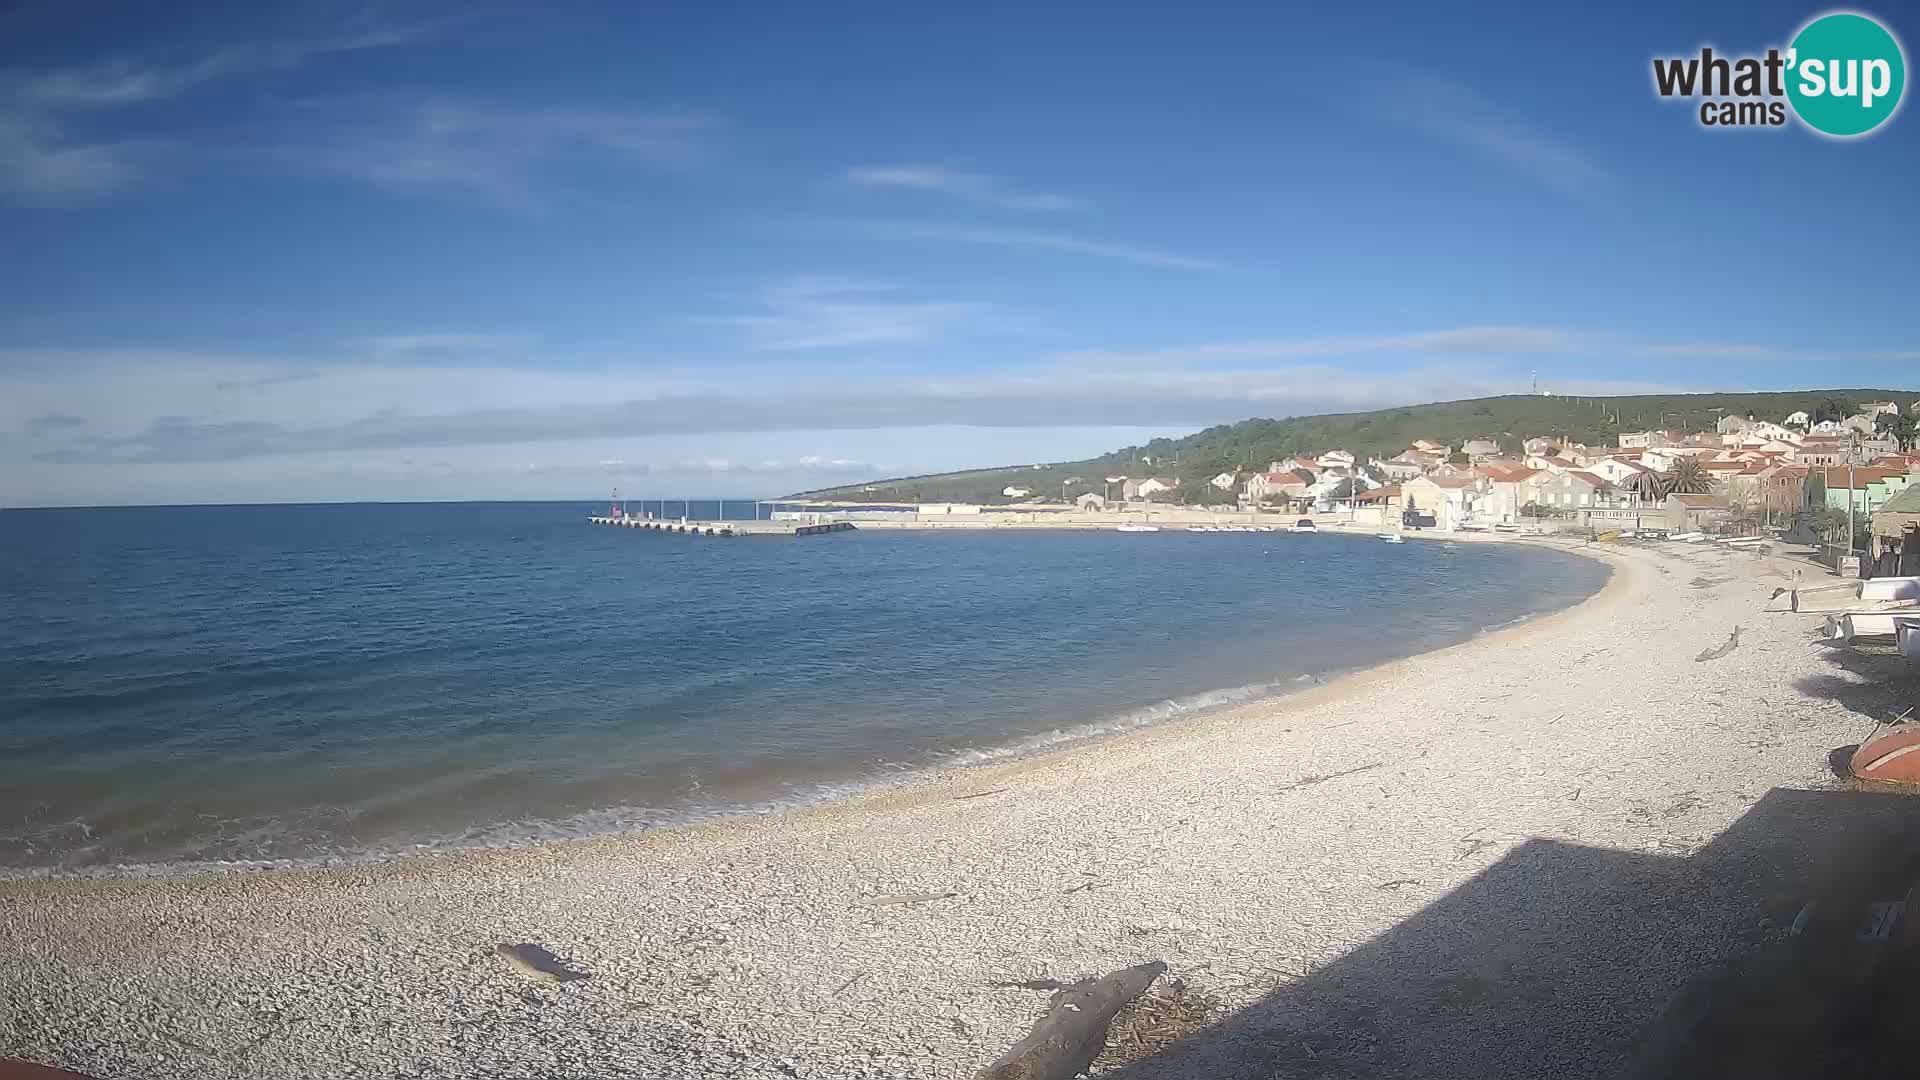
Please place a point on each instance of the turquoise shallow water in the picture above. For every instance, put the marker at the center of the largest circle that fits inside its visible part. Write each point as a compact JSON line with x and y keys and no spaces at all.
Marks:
{"x":314,"y":682}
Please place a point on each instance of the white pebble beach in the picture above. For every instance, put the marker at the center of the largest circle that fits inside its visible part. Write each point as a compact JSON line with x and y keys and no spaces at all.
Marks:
{"x":1496,"y":859}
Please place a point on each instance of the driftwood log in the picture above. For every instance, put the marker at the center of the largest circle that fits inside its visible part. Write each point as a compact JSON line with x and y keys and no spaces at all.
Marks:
{"x":1074,"y":1030}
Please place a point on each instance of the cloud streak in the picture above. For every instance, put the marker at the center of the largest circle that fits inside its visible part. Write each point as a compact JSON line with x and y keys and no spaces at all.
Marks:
{"x":495,"y":152}
{"x":44,"y":162}
{"x":1451,"y":112}
{"x":613,"y":407}
{"x":969,"y":186}
{"x":1467,"y":340}
{"x":1051,"y":241}
{"x":819,"y":313}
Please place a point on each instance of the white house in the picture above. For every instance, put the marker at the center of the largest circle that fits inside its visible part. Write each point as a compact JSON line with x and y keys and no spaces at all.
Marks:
{"x":1577,"y":491}
{"x":1800,"y":418}
{"x":1828,"y":427}
{"x":1225,"y":481}
{"x":1540,"y":445}
{"x":1510,"y":489}
{"x":1155,"y":485}
{"x":1428,"y":446}
{"x":1618,"y":471}
{"x":1280,"y":483}
{"x":1090,"y":501}
{"x":1550,"y":462}
{"x":1014,"y":491}
{"x":1450,"y":499}
{"x":1323,"y":489}
{"x":1333,"y":459}
{"x":1410,"y":463}
{"x":1873,"y":408}
{"x":1480,"y":449}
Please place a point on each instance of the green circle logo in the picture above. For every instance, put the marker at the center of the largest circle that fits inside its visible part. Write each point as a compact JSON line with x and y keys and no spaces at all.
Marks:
{"x":1845,"y":74}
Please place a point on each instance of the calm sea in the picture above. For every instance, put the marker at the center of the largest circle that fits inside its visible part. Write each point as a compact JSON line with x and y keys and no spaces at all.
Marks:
{"x":319,"y":682}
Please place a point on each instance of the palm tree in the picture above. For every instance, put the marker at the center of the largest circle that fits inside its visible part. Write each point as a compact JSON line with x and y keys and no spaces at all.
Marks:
{"x":1649,"y":486}
{"x":1687,"y":477}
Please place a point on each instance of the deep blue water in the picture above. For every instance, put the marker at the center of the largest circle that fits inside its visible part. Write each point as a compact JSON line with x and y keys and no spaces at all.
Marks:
{"x":238,"y":683}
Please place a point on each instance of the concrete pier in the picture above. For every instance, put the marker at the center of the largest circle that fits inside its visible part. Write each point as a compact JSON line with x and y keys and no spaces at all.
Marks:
{"x":725,"y":528}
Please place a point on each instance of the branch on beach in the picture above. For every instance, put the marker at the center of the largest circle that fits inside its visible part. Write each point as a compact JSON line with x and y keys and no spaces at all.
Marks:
{"x":1715,"y":654}
{"x":1309,"y":781}
{"x":1065,"y":1041}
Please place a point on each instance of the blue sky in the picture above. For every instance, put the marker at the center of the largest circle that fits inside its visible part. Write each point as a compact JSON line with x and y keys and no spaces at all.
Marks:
{"x":313,"y":251}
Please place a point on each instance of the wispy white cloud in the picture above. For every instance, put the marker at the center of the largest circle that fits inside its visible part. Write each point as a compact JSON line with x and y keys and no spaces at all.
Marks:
{"x":40,"y":165}
{"x":127,"y":81}
{"x":970,"y":186}
{"x":164,"y":411}
{"x":818,"y":313}
{"x":1050,"y":241}
{"x":1471,"y":340}
{"x":1452,"y":112}
{"x":44,"y":161}
{"x":1713,"y":350}
{"x":440,"y":344}
{"x":496,"y":152}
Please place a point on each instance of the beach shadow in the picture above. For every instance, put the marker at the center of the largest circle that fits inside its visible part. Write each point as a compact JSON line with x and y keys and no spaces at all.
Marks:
{"x":1883,"y":684}
{"x":1555,"y":960}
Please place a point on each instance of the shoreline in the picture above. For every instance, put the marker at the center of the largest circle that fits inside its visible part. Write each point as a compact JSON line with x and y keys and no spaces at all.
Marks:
{"x":1083,"y":736}
{"x":1478,"y":833}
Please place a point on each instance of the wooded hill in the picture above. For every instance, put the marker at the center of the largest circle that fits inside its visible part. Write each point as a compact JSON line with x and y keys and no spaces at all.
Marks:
{"x":1250,"y":444}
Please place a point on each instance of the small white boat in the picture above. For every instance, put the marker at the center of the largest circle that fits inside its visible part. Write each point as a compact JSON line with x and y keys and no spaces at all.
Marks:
{"x":1304,"y":525}
{"x":1198,"y":528}
{"x":1134,"y":526}
{"x":1393,"y":538}
{"x":1875,"y":622}
{"x":1890,"y":588}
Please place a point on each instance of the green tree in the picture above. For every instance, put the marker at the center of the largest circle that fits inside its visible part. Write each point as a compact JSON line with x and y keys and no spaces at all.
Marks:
{"x":1459,"y":457}
{"x":1832,"y":408}
{"x":1897,"y":426}
{"x":1831,"y":524}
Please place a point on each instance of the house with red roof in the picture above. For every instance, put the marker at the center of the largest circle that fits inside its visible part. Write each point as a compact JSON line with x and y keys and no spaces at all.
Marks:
{"x":1576,"y":489}
{"x":1452,"y":498}
{"x":1690,"y":513}
{"x":1290,"y":484}
{"x":1509,"y":489}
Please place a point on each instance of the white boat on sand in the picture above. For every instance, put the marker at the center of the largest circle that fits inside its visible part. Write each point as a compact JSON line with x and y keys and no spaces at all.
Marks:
{"x":1134,"y":526}
{"x":1870,"y":622}
{"x":1393,"y":538}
